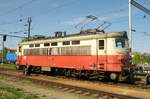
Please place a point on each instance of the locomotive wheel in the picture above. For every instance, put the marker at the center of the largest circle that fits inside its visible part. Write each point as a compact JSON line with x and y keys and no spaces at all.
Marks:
{"x":26,"y":71}
{"x":67,"y":73}
{"x":17,"y":67}
{"x":114,"y":77}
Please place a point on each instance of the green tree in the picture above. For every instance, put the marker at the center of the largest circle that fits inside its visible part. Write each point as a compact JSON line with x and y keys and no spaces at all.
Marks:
{"x":146,"y":59}
{"x":137,"y":58}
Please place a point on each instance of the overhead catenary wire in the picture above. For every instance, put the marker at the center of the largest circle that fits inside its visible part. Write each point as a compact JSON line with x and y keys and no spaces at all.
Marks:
{"x":9,"y":23}
{"x":55,"y":8}
{"x":65,"y":4}
{"x":16,"y":32}
{"x":20,"y":6}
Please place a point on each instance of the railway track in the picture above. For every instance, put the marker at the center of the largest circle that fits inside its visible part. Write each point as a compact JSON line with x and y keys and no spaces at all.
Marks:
{"x":97,"y":94}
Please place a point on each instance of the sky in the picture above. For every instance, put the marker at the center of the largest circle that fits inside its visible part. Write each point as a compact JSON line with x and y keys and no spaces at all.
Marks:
{"x":49,"y":16}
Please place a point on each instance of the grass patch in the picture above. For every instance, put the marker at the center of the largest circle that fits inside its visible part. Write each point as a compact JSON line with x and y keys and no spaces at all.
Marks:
{"x":7,"y":92}
{"x":9,"y":66}
{"x":2,"y":77}
{"x":10,"y":92}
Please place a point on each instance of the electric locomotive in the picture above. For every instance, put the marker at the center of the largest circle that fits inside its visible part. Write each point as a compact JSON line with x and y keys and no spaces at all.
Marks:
{"x":90,"y":53}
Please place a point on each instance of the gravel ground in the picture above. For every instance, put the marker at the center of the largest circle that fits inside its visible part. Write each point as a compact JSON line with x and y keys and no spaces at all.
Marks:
{"x":114,"y":88}
{"x":38,"y":90}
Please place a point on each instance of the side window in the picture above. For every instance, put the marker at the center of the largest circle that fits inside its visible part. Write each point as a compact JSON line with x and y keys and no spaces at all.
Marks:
{"x":37,"y":45}
{"x":75,"y":42}
{"x":54,"y":44}
{"x":31,"y":45}
{"x":66,"y":43}
{"x":101,"y":44}
{"x":46,"y":44}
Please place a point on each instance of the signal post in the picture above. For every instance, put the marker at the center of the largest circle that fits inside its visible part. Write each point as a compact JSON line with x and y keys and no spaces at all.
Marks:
{"x":4,"y":39}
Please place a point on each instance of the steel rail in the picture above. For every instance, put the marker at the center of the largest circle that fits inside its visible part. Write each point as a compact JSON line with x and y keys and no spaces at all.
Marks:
{"x":69,"y":88}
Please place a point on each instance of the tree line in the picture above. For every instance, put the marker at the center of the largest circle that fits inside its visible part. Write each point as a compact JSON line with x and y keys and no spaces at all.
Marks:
{"x":140,"y":58}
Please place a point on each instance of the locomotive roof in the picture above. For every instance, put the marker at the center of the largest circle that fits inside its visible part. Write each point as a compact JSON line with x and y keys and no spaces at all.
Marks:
{"x":79,"y":36}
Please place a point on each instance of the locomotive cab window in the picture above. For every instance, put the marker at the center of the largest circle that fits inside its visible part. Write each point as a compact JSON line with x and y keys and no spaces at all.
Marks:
{"x":120,"y":43}
{"x":101,"y":44}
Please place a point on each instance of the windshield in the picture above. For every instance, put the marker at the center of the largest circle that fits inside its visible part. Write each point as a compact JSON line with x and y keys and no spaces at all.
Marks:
{"x":120,"y":43}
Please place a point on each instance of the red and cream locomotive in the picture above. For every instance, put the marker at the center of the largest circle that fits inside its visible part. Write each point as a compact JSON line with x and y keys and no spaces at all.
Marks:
{"x":90,"y":53}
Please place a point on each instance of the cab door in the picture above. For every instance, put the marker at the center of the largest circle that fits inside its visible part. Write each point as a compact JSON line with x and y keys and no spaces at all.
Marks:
{"x":19,"y":55}
{"x":101,"y":54}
